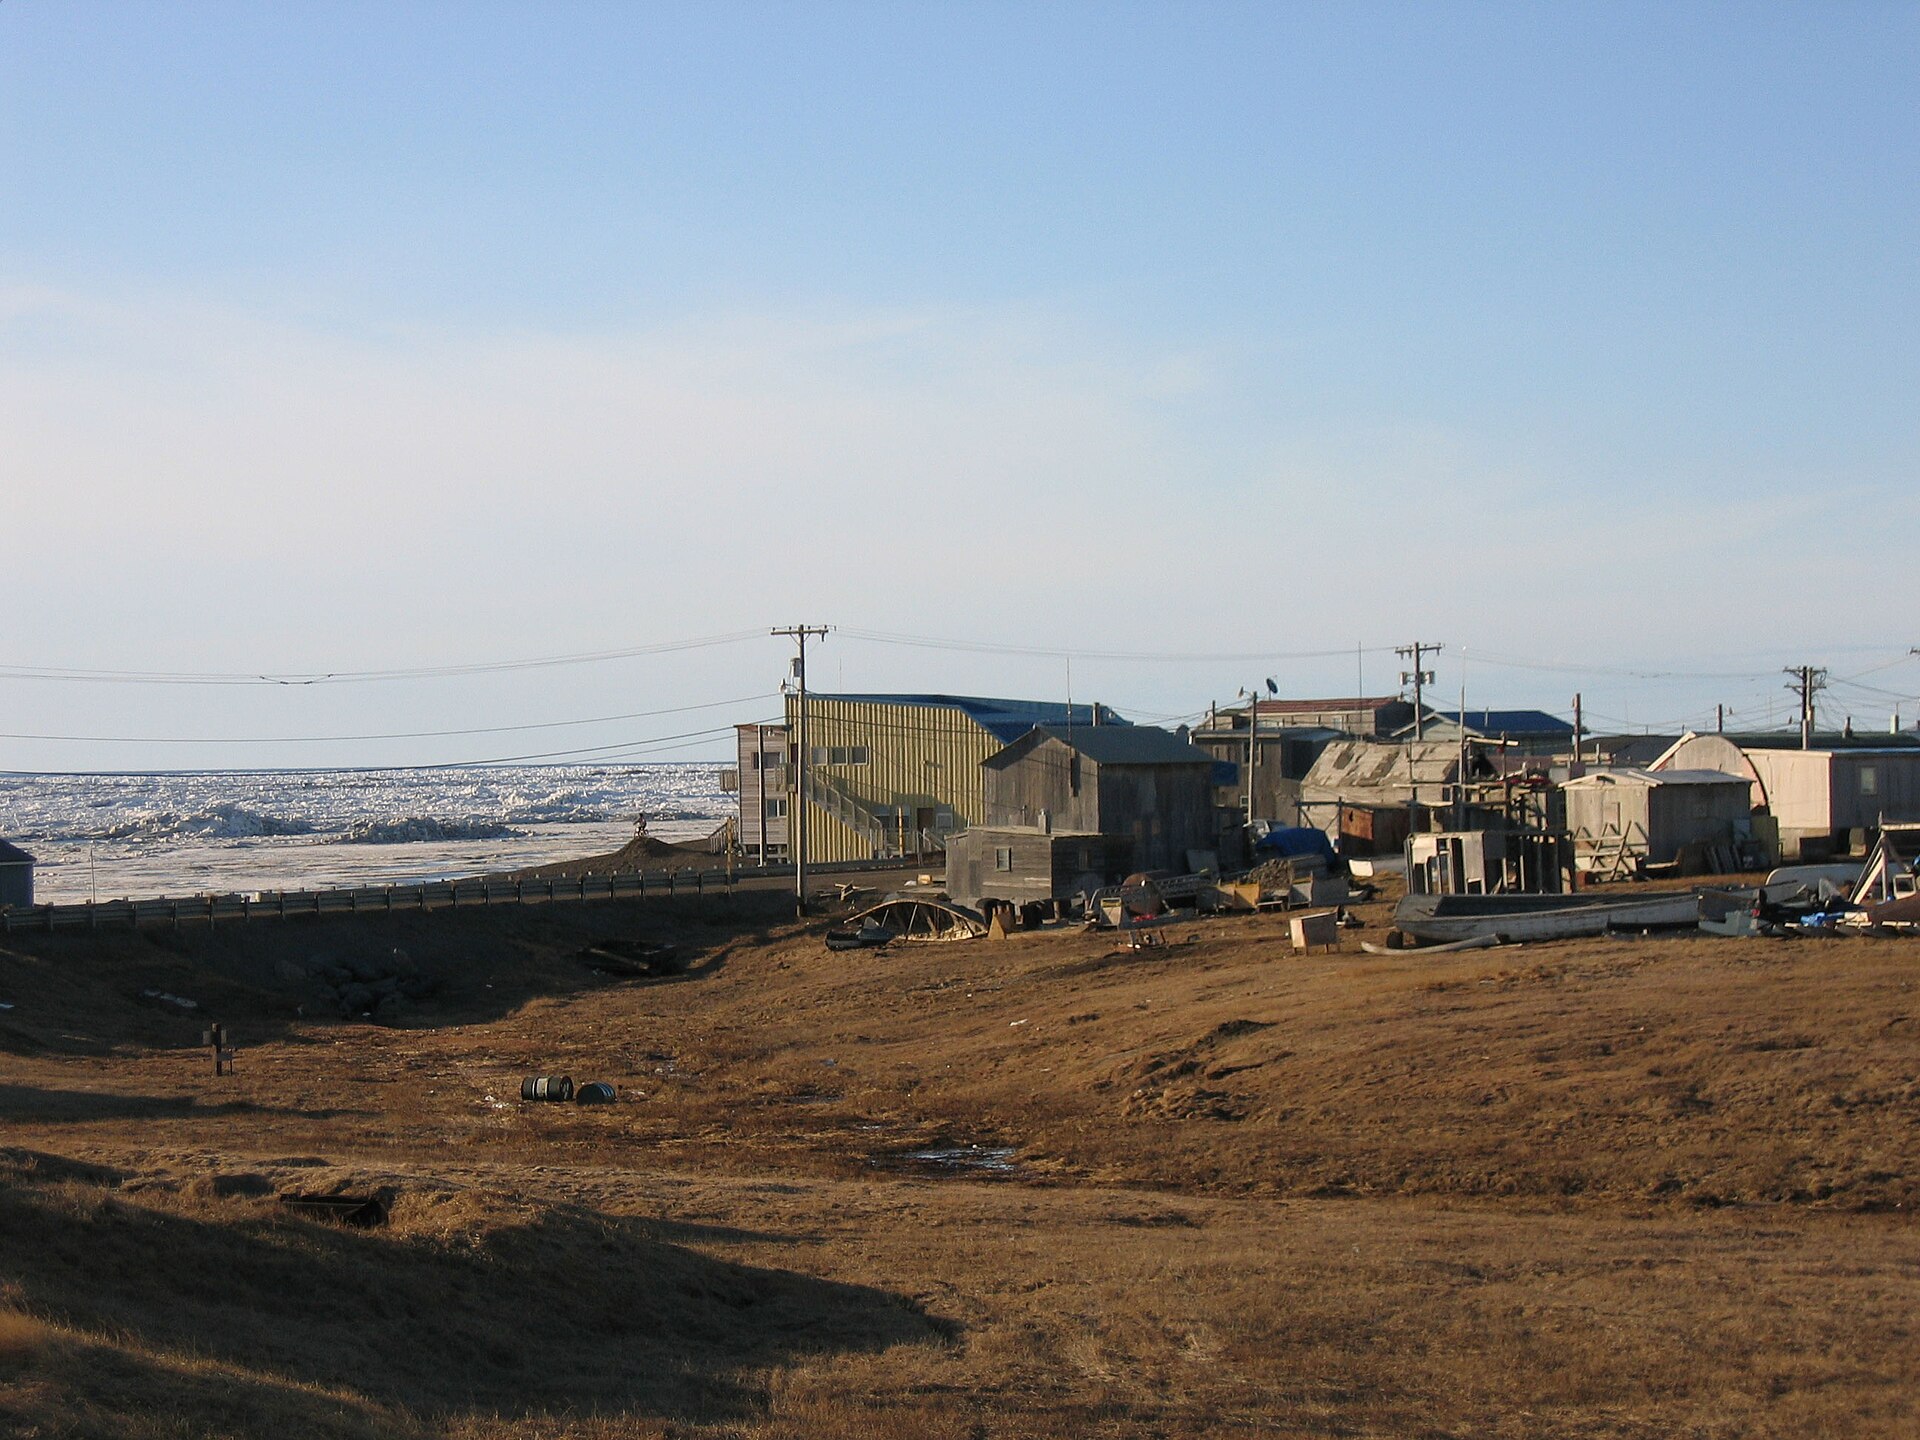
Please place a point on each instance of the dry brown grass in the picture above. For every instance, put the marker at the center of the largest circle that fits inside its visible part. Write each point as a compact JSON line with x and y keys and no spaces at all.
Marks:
{"x":1607,"y":1188}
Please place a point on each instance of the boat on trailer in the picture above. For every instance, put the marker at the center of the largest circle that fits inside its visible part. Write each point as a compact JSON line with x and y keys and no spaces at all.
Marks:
{"x":1441,"y":919}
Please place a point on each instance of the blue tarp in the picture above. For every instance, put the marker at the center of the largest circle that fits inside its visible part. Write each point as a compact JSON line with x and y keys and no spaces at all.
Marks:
{"x":1295,"y":840}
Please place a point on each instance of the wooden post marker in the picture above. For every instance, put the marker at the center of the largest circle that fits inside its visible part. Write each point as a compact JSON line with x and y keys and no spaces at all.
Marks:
{"x":216,"y":1039}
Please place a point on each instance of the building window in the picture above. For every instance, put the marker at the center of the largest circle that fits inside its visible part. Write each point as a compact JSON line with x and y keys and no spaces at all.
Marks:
{"x":1003,"y":858}
{"x":839,"y":754}
{"x":776,"y":809}
{"x":1869,"y":780}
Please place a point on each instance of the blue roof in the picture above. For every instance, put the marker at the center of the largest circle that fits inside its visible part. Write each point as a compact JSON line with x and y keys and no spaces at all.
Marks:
{"x":1508,"y":722}
{"x":1007,"y":720}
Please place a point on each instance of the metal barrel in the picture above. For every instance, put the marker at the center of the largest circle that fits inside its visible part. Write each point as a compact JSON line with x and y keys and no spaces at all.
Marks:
{"x":547,"y":1087}
{"x":595,"y":1092}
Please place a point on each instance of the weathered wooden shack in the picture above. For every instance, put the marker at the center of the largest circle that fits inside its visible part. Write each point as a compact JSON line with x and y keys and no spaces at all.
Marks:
{"x":1148,"y":784}
{"x":1651,"y":814}
{"x":1021,"y":863}
{"x":1357,"y":789}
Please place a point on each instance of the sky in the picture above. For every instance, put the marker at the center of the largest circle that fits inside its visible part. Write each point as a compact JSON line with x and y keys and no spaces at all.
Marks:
{"x":1140,"y":353}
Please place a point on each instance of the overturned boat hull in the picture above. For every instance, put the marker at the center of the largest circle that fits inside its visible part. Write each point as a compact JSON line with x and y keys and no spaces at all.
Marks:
{"x":1444,"y":918}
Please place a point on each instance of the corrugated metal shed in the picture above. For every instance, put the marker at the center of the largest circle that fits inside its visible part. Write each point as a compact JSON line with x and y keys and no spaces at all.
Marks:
{"x":896,"y":774}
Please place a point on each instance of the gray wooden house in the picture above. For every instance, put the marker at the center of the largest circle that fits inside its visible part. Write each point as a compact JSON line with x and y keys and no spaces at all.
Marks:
{"x":1150,"y":785}
{"x":16,"y":876}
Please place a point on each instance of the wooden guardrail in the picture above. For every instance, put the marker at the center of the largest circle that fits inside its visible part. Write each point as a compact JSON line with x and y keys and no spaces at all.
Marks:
{"x":364,"y":900}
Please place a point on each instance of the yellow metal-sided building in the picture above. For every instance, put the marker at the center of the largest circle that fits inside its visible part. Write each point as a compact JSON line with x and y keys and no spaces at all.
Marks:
{"x":894,"y":775}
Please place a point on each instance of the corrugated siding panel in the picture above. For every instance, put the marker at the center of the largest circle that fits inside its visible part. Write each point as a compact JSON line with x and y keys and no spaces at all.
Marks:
{"x":918,"y":757}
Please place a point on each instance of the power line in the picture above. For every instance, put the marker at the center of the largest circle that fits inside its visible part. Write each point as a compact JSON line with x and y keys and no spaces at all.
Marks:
{"x":389,"y":735}
{"x":343,"y":677}
{"x":1195,"y":657}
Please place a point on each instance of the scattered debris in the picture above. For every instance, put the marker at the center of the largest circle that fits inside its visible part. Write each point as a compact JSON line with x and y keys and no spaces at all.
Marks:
{"x":862,"y":937}
{"x":1472,"y":942}
{"x":361,"y":1211}
{"x":639,"y":959}
{"x":917,"y":918}
{"x":164,"y":1001}
{"x":977,"y":1160}
{"x":557,"y":1088}
{"x":1316,"y":928}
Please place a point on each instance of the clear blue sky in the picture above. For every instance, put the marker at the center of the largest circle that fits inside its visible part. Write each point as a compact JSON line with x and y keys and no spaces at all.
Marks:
{"x":355,"y":336}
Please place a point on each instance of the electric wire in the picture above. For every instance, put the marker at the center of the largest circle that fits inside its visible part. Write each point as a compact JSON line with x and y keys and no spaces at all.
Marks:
{"x":342,"y":677}
{"x":989,"y":647}
{"x":386,"y":735}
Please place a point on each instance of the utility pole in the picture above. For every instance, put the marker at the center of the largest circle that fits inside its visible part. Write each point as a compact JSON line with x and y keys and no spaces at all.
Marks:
{"x":1419,"y":678}
{"x":1809,"y":681}
{"x":1579,"y":731}
{"x":797,"y":818}
{"x":1253,"y":750}
{"x":1253,"y":739}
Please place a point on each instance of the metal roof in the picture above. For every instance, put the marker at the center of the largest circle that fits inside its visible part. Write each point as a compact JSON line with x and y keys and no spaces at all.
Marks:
{"x":1007,"y":720}
{"x":1505,"y":722}
{"x":1124,"y":745}
{"x":1628,"y":775}
{"x":1902,"y":742}
{"x":1361,"y":764}
{"x":14,"y":855}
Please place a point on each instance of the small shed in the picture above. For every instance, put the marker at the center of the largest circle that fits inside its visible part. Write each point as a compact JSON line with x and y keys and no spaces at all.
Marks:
{"x":16,"y":877}
{"x":1018,"y":863}
{"x":1650,"y":814}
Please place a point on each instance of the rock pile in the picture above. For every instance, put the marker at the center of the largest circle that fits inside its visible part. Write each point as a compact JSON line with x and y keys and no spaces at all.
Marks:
{"x":379,"y":986}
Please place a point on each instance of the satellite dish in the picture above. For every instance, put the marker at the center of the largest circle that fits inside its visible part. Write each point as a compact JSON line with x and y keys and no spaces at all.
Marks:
{"x":1272,"y":689}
